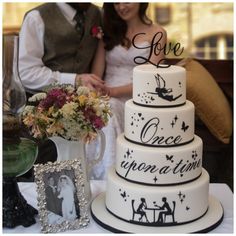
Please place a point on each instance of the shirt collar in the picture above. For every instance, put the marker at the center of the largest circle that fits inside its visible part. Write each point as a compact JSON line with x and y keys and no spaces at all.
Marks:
{"x":67,"y":10}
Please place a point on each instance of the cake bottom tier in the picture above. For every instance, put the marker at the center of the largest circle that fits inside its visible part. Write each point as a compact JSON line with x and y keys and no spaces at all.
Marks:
{"x":160,"y":206}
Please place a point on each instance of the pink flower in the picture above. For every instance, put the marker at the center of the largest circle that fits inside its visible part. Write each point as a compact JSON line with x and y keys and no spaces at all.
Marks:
{"x":98,"y":123}
{"x":97,"y":32}
{"x":55,"y":97}
{"x":91,"y":116}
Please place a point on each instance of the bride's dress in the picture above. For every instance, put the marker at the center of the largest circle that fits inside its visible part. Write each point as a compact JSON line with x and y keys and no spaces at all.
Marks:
{"x":119,"y":71}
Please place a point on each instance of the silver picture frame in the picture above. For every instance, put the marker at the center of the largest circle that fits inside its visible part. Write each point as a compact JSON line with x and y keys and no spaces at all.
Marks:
{"x":62,"y":203}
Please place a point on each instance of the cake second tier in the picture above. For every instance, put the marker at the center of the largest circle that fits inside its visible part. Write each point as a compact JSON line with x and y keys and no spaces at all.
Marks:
{"x":159,"y":127}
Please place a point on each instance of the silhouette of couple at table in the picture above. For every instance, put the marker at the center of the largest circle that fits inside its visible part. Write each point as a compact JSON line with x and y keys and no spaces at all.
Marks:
{"x":165,"y":210}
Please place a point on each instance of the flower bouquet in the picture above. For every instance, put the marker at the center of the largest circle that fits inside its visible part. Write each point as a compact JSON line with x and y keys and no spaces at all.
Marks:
{"x":73,"y":114}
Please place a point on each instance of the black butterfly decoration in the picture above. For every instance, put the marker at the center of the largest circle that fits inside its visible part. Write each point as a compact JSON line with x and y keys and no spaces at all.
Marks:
{"x":169,"y":158}
{"x":184,"y":126}
{"x":123,"y":194}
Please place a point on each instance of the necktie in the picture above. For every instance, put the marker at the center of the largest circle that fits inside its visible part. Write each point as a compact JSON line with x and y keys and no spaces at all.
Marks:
{"x":80,"y":20}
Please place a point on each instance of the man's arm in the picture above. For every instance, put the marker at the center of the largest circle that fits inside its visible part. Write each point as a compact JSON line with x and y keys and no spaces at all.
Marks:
{"x":34,"y":74}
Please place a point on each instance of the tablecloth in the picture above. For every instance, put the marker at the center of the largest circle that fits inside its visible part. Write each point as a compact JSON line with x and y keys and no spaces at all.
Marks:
{"x":221,"y":191}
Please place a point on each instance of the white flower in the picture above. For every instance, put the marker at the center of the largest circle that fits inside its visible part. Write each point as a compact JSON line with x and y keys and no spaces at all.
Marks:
{"x":28,"y":109}
{"x":82,"y":90}
{"x":68,"y":110}
{"x":70,"y":88}
{"x":37,"y":97}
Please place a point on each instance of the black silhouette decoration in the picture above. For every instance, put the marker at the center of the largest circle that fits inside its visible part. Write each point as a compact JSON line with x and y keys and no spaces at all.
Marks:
{"x":162,"y":91}
{"x":174,"y":121}
{"x":169,"y":158}
{"x":124,"y":195}
{"x":171,"y":213}
{"x":194,"y":155}
{"x":181,"y":196}
{"x":135,"y":120}
{"x":155,"y":179}
{"x":184,"y":126}
{"x":140,"y":210}
{"x":164,"y":211}
{"x":128,"y":154}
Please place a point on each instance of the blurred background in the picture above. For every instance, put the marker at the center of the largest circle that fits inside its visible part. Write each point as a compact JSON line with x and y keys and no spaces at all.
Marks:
{"x":204,"y":29}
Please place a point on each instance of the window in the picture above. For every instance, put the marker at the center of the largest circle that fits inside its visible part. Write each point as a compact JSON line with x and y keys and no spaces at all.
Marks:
{"x":163,"y":14}
{"x":215,"y":47}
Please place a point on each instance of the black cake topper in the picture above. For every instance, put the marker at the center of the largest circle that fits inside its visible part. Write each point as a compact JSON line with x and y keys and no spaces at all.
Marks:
{"x":157,"y":48}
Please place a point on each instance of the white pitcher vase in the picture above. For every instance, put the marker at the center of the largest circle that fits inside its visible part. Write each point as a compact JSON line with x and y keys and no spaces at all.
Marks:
{"x":69,"y":150}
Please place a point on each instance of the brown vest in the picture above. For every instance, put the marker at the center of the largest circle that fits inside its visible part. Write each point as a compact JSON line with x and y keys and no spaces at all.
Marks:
{"x":64,"y":50}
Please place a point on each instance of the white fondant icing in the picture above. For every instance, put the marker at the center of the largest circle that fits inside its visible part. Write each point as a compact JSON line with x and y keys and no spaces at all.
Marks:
{"x":159,"y":126}
{"x":159,"y":159}
{"x":205,"y":224}
{"x":167,"y":89}
{"x":158,"y":165}
{"x":191,"y":200}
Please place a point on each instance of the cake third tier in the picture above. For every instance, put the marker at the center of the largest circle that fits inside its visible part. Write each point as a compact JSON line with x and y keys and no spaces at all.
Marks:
{"x":159,"y":127}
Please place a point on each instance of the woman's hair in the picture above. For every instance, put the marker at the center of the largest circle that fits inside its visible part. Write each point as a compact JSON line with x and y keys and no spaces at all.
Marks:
{"x":115,"y":28}
{"x":68,"y":180}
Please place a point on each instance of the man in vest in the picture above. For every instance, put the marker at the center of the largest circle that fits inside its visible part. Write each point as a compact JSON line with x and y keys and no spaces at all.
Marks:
{"x":56,"y":45}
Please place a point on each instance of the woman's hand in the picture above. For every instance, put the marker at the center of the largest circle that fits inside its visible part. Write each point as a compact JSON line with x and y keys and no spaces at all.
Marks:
{"x":111,"y":91}
{"x":120,"y":91}
{"x":91,"y":81}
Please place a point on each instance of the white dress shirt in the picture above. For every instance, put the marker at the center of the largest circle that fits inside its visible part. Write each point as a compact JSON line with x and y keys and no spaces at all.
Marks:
{"x":34,"y":74}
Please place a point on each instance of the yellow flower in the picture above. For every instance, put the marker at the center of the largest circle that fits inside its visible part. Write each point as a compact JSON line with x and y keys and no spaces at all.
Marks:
{"x":68,"y":110}
{"x":29,"y":120}
{"x":43,"y":118}
{"x":55,"y":127}
{"x":50,"y":111}
{"x":82,"y":99}
{"x":93,"y":94}
{"x":36,"y":132}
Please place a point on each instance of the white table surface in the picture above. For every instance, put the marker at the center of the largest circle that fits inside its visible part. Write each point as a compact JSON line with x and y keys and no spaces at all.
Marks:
{"x":221,"y":191}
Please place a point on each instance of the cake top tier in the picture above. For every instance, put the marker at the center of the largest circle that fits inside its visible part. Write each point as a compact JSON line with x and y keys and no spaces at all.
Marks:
{"x":159,"y":87}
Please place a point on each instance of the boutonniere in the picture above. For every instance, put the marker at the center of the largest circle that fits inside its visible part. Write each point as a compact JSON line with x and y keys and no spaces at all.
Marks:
{"x":96,"y":32}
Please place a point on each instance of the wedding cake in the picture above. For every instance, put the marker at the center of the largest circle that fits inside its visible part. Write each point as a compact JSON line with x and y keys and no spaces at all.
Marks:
{"x":158,"y":179}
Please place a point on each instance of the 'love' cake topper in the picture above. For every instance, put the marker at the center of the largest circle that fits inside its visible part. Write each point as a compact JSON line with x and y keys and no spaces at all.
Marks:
{"x":156,"y":48}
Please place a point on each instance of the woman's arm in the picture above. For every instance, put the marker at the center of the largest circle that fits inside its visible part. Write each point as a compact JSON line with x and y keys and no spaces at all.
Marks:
{"x":120,"y":91}
{"x":98,"y":66}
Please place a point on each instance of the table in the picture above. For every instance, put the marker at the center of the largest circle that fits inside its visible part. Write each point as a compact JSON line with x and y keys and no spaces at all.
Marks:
{"x":221,"y":191}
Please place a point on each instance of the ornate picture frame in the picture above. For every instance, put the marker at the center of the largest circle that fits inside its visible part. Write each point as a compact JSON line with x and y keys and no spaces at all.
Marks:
{"x":62,"y":203}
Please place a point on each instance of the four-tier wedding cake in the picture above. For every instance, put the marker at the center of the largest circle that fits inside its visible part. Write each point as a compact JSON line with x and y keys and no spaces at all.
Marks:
{"x":158,"y":179}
